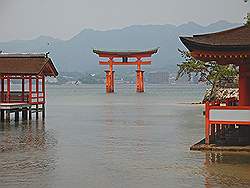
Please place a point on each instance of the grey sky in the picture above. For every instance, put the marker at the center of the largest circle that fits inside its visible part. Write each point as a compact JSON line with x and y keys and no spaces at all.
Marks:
{"x":27,"y":19}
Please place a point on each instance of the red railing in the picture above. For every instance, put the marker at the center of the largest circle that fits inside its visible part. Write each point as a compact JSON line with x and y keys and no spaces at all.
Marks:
{"x":224,"y":113}
{"x":26,"y":97}
{"x":37,"y":98}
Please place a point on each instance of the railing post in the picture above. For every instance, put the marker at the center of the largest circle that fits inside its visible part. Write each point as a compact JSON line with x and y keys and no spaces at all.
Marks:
{"x":207,"y":108}
{"x":2,"y":90}
{"x":23,"y":89}
{"x":37,"y":89}
{"x":8,"y":89}
{"x":30,"y":89}
{"x":37,"y":95}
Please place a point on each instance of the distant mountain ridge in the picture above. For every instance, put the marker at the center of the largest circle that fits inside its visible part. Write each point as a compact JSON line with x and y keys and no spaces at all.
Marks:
{"x":76,"y":54}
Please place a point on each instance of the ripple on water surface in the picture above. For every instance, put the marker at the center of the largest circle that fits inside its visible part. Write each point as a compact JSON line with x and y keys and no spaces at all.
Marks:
{"x":125,"y":139}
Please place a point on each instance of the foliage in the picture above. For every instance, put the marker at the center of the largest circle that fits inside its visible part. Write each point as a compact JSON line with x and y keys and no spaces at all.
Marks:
{"x":248,"y":19}
{"x":213,"y":74}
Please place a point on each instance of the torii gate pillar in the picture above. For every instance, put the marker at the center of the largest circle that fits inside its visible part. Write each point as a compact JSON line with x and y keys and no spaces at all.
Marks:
{"x":110,"y":85}
{"x":139,"y":81}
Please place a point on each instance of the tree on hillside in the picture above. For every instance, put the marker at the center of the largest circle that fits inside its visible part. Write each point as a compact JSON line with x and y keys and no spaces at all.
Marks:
{"x":211,"y":73}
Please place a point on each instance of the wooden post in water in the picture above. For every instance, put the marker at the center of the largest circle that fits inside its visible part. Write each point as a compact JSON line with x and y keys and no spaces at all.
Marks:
{"x":43,"y":111}
{"x":212,"y":127}
{"x":2,"y":115}
{"x":24,"y":114}
{"x":17,"y":115}
{"x":8,"y":115}
{"x":30,"y":113}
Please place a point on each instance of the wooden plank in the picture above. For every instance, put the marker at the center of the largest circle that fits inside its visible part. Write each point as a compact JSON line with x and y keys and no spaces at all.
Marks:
{"x":10,"y":106}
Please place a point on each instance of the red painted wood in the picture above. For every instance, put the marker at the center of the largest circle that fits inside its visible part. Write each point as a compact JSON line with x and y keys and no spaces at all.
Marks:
{"x":230,"y":107}
{"x":23,"y":89}
{"x":125,"y":63}
{"x":207,"y":124}
{"x":129,"y":56}
{"x":43,"y":88}
{"x":37,"y":89}
{"x":230,"y":122}
{"x":2,"y":90}
{"x":30,"y":90}
{"x":244,"y":86}
{"x":8,"y":89}
{"x":139,"y":81}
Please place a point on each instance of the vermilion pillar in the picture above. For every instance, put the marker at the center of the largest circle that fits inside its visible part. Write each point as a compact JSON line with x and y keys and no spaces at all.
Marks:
{"x":30,"y":90}
{"x":37,"y":89}
{"x":8,"y":89}
{"x":139,"y":77}
{"x":43,"y":91}
{"x":207,"y":126}
{"x":43,"y":88}
{"x":2,"y":90}
{"x":110,"y":86}
{"x":23,"y":89}
{"x":139,"y":81}
{"x":244,"y":85}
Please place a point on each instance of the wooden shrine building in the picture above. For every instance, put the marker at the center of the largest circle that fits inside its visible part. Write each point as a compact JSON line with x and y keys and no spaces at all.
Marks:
{"x":125,"y":58}
{"x":226,"y":124}
{"x":23,"y":84}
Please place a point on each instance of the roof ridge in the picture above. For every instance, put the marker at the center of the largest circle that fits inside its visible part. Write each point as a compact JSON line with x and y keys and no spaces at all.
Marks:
{"x":221,"y":32}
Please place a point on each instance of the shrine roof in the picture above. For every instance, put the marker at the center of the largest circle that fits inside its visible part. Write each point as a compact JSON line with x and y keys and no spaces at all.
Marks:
{"x":27,"y":64}
{"x":237,"y":39}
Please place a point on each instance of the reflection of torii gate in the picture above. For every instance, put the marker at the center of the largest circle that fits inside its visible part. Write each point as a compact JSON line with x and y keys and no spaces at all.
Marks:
{"x":125,"y":58}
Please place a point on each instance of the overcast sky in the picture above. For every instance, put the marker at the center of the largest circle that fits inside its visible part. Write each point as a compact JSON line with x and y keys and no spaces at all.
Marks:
{"x":27,"y":19}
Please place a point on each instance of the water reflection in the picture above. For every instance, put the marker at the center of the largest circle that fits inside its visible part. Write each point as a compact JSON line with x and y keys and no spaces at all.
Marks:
{"x":227,"y":169}
{"x":27,"y":154}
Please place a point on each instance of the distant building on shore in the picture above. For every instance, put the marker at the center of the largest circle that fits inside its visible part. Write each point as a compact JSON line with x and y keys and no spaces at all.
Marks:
{"x":158,"y":77}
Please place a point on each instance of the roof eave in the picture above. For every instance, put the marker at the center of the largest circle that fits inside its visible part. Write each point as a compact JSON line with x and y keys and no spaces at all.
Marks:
{"x":194,"y":45}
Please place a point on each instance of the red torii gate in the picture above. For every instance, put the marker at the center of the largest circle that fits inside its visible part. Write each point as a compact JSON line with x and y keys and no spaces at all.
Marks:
{"x":125,"y":58}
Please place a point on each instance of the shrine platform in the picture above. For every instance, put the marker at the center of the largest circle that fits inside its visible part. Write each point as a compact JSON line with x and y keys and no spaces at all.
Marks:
{"x":201,"y":146}
{"x":26,"y":110}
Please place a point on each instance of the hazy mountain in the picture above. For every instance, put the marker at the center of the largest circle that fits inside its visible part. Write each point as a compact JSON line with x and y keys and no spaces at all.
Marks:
{"x":76,"y":54}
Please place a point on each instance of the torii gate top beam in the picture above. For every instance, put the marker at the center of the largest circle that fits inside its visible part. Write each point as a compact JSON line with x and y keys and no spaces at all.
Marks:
{"x":127,"y":53}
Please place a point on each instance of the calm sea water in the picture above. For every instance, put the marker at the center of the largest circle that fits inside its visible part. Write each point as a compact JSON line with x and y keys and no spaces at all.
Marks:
{"x":125,"y":139}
